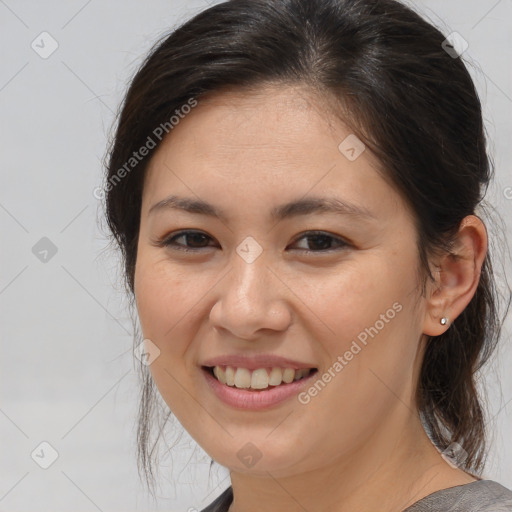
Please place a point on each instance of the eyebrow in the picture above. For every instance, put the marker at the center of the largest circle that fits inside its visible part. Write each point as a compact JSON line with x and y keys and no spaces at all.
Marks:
{"x":288,"y":210}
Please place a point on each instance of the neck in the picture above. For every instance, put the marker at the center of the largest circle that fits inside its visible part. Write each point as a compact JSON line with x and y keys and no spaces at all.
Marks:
{"x":397,"y":466}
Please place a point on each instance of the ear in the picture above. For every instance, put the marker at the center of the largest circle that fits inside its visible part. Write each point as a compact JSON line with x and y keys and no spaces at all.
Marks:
{"x":457,"y":276}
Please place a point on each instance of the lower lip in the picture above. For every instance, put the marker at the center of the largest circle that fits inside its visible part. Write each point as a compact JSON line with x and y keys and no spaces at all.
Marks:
{"x":255,"y":400}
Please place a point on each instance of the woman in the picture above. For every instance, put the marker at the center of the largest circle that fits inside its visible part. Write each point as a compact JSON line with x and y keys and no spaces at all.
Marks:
{"x":293,"y":187}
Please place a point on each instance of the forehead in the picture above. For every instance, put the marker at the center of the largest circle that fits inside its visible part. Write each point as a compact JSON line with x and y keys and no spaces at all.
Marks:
{"x":262,"y":142}
{"x":270,"y":118}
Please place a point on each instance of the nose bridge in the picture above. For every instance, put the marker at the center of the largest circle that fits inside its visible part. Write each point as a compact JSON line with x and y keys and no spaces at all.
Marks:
{"x":249,"y":269}
{"x":250,"y":296}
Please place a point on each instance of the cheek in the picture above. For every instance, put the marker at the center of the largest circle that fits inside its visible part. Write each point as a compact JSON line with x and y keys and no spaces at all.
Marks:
{"x":164,"y":297}
{"x":372,"y":327}
{"x":351,"y":299}
{"x":166,"y":303}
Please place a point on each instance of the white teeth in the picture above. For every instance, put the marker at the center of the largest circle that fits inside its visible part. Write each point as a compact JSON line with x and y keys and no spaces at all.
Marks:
{"x":260,"y":378}
{"x":230,"y":375}
{"x":220,"y":374}
{"x":276,"y":377}
{"x":242,"y":378}
{"x":288,"y":375}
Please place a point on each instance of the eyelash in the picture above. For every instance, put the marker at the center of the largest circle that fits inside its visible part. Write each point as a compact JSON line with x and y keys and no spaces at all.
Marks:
{"x":170,"y":242}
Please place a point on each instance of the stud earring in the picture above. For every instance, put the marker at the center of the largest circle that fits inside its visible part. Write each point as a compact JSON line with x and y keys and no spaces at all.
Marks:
{"x":444,"y":320}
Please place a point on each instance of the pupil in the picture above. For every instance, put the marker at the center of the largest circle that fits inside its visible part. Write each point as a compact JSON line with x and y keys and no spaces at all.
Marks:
{"x":325,"y":239}
{"x":196,"y":238}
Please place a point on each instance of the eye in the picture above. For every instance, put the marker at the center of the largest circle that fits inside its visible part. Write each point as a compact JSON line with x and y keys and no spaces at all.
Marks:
{"x":318,"y":241}
{"x":322,"y":242}
{"x":195,"y":238}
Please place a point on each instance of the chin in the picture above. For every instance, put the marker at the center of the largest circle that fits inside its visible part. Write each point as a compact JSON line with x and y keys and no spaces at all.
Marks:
{"x":260,"y":458}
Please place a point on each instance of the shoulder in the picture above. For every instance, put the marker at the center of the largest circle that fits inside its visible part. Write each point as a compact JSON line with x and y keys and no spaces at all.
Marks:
{"x":479,"y":496}
{"x":222,"y":503}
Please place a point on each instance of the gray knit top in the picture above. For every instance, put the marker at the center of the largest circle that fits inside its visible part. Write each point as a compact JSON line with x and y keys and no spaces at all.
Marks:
{"x":479,"y":496}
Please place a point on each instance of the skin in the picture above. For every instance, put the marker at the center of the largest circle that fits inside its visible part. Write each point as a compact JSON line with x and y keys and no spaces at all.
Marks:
{"x":359,"y":444}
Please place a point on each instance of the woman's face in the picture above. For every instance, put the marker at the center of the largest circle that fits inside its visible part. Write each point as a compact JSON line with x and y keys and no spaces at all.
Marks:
{"x":275,"y":281}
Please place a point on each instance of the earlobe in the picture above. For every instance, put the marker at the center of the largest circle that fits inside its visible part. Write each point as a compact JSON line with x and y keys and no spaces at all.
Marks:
{"x":457,"y":278}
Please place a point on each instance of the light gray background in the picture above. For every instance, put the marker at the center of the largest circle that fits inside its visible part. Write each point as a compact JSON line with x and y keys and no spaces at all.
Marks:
{"x":67,"y":372}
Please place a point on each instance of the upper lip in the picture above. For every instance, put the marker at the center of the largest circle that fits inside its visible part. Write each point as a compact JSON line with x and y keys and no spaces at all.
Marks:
{"x":256,"y":361}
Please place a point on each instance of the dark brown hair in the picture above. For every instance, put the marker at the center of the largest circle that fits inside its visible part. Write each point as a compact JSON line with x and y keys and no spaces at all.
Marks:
{"x":384,"y":69}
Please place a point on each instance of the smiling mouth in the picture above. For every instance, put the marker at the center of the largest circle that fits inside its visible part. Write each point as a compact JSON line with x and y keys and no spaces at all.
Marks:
{"x":259,"y":379}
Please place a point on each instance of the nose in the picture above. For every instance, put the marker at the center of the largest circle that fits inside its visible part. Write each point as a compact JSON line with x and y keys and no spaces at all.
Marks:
{"x":251,"y":299}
